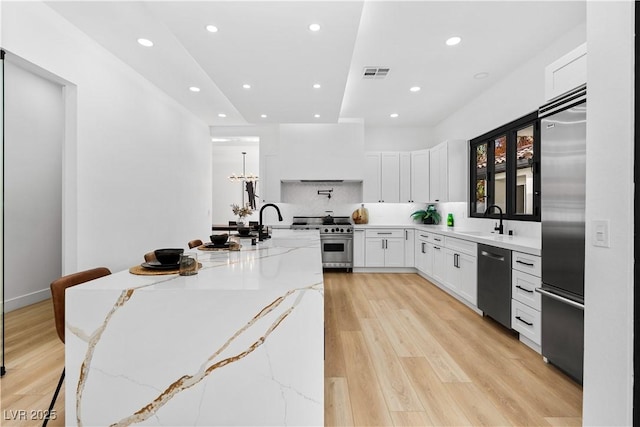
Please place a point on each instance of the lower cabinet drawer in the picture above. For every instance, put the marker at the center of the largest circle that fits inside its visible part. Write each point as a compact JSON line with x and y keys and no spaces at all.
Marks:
{"x":523,"y":289}
{"x":526,"y":320}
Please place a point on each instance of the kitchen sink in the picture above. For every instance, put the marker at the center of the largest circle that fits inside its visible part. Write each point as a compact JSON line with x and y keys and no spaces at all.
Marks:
{"x":476,"y":233}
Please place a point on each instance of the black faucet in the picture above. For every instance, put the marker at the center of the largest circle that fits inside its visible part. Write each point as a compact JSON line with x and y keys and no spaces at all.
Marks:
{"x":261,"y":234}
{"x":500,"y":228}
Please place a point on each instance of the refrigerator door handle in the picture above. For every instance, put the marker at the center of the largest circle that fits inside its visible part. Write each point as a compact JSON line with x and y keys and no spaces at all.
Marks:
{"x":561,"y":299}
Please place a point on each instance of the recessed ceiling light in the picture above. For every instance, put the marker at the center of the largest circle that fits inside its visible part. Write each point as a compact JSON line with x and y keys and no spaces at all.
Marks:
{"x":222,"y":115}
{"x":246,"y":86}
{"x":394,"y":115}
{"x":452,"y":41}
{"x":415,"y":89}
{"x":264,"y":116}
{"x":145,"y":42}
{"x":212,"y":28}
{"x":194,"y":89}
{"x":314,"y":27}
{"x":482,"y":75}
{"x":316,"y":86}
{"x":317,"y":116}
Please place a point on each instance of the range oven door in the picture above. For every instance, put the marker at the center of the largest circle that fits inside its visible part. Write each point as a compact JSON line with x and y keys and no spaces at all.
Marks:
{"x":337,"y":251}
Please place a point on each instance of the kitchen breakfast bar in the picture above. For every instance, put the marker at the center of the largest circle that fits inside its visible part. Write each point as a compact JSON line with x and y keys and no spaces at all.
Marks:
{"x":239,"y":343}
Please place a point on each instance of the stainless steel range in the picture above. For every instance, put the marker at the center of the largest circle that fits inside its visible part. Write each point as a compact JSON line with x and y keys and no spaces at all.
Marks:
{"x":336,"y":238}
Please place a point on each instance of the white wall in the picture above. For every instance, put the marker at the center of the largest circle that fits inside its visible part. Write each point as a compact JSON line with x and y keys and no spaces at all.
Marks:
{"x":227,"y":160}
{"x":608,"y":361}
{"x":33,"y":185}
{"x":519,"y":93}
{"x":398,"y":138}
{"x":141,"y":166}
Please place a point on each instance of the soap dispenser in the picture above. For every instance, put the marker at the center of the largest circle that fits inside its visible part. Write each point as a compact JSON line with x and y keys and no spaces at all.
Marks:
{"x":450,"y":220}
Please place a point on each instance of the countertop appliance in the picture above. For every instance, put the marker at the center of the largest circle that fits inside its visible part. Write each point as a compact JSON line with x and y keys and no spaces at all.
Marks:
{"x":563,"y":174}
{"x":336,"y":238}
{"x":494,"y":283}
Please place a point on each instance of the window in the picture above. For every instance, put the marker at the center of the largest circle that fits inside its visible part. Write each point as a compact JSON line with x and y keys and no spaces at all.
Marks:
{"x":504,"y":171}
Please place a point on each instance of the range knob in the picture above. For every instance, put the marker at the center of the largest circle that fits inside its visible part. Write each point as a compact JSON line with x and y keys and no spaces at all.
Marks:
{"x":326,"y":230}
{"x":333,"y":230}
{"x":342,"y":230}
{"x":348,"y":230}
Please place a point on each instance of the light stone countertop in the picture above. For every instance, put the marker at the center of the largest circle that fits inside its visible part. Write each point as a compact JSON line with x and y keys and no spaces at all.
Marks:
{"x":240,"y":343}
{"x":523,"y":244}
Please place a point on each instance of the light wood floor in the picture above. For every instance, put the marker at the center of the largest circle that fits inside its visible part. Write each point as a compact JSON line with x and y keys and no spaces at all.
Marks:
{"x":399,"y":351}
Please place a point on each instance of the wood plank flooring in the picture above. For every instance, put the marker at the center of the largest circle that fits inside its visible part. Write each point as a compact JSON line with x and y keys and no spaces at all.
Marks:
{"x":399,"y":352}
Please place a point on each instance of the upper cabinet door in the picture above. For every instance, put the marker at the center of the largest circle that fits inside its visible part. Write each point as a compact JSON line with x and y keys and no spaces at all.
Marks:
{"x":390,"y":178}
{"x":420,"y":176}
{"x":566,"y":73}
{"x":371,"y":183}
{"x":406,"y":184}
{"x":438,"y":173}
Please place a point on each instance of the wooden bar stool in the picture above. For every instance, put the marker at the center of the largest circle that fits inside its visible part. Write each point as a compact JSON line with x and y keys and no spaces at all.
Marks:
{"x":58,"y":287}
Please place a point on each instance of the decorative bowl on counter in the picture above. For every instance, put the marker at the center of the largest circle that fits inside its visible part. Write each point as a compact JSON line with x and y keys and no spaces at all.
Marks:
{"x":219,"y":239}
{"x":244,"y":231}
{"x":168,"y":255}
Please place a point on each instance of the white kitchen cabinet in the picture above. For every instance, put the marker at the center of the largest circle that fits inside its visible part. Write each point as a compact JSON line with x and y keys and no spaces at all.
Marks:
{"x":406,"y":184}
{"x":409,"y":254}
{"x":384,"y":248}
{"x":461,"y":266}
{"x":424,"y":252}
{"x":419,"y":176}
{"x":438,"y":263}
{"x":448,"y":171}
{"x":526,"y":303}
{"x":566,"y":73}
{"x":381,"y":177}
{"x":358,"y":248}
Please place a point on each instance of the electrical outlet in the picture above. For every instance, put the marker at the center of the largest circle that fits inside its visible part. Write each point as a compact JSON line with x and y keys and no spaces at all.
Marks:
{"x":600,"y":233}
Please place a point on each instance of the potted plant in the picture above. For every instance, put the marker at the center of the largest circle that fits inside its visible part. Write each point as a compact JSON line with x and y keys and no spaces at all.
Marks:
{"x":429,"y":215}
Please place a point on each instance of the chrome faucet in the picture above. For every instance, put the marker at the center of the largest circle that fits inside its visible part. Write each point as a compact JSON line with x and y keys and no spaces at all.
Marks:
{"x":261,"y":234}
{"x":500,"y":228}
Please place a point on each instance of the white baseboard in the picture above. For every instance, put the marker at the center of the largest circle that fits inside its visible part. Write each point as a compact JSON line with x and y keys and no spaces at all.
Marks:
{"x":27,"y":299}
{"x":532,"y":345}
{"x":384,"y":270}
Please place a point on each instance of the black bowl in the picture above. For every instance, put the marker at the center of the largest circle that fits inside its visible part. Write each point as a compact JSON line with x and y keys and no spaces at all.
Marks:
{"x":244,"y":231}
{"x":168,"y":255}
{"x":219,"y":239}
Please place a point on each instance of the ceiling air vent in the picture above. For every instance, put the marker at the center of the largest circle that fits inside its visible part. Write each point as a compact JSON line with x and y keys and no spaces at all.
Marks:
{"x":375,"y":72}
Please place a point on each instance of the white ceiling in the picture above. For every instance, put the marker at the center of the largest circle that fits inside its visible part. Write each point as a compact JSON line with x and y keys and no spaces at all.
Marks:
{"x":269,"y":46}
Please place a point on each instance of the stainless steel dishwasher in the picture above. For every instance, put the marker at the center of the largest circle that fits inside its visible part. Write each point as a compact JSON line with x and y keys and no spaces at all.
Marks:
{"x":494,"y":283}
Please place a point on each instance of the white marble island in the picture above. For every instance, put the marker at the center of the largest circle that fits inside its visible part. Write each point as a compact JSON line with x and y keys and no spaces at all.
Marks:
{"x":240,"y":343}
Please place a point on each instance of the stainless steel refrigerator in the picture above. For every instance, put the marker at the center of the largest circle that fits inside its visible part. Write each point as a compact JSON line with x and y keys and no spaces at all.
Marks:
{"x":563,"y":172}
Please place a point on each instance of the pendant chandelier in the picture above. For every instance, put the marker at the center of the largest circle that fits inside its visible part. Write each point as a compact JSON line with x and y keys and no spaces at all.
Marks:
{"x":249,"y":182}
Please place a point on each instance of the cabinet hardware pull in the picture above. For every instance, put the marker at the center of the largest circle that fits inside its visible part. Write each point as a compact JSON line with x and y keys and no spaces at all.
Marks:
{"x":406,"y":235}
{"x":422,"y":247}
{"x":437,"y":240}
{"x":524,"y":321}
{"x":524,"y":289}
{"x":422,"y":235}
{"x":381,"y":233}
{"x":456,"y":260}
{"x":436,"y":247}
{"x":525,"y":263}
